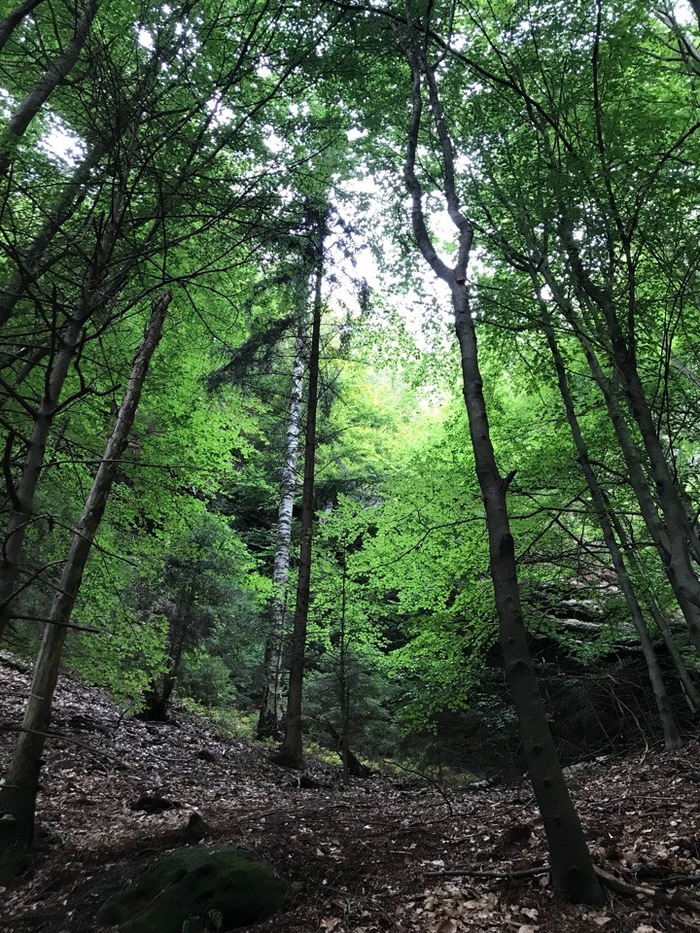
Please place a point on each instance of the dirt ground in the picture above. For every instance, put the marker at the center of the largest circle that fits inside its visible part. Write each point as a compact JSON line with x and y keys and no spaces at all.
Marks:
{"x":364,"y":858}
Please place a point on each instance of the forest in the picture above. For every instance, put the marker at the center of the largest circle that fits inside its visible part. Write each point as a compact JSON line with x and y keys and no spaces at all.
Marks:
{"x":349,"y":394}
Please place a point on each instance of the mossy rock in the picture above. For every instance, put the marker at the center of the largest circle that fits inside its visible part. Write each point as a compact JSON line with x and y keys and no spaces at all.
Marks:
{"x":192,"y":883}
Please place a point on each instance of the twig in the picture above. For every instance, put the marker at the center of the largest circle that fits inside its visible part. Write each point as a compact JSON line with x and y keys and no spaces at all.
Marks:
{"x":9,"y":727}
{"x":425,"y":777}
{"x":624,"y":887}
{"x":500,"y":875}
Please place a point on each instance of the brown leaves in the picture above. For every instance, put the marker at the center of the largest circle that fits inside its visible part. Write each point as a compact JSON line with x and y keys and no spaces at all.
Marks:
{"x":357,"y":858}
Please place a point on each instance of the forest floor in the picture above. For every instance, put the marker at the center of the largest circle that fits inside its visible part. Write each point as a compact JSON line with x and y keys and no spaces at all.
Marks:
{"x":362,"y":858}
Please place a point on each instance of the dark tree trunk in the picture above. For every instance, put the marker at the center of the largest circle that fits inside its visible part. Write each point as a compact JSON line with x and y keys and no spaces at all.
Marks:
{"x":14,"y":18}
{"x":30,"y":265}
{"x":351,"y":763}
{"x":672,"y":736}
{"x":291,"y":753}
{"x":18,"y":794}
{"x":65,"y":342}
{"x":56,"y":73}
{"x":670,"y":544}
{"x":571,"y":867}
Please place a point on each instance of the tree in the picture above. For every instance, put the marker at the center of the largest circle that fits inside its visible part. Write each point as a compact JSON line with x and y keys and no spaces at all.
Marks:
{"x":571,"y":866}
{"x":291,"y":753}
{"x":18,"y":793}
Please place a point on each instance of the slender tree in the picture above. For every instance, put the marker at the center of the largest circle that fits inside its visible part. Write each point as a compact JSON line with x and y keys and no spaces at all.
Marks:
{"x":54,"y":75}
{"x":570,"y":863}
{"x":291,"y":752}
{"x":672,"y":736}
{"x":270,"y":708}
{"x":18,"y":793}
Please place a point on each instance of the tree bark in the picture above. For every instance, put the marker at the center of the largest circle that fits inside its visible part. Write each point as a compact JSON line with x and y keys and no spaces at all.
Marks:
{"x":671,"y":547}
{"x":672,"y":736}
{"x":56,"y":73}
{"x":14,"y":18}
{"x":18,"y":794}
{"x":95,"y":294}
{"x":572,"y":870}
{"x":23,"y":494}
{"x":269,"y":721}
{"x":30,"y":268}
{"x":291,"y":753}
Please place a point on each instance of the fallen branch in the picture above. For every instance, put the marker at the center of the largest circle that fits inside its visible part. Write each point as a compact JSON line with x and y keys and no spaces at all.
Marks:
{"x":61,"y":736}
{"x":498,"y":875}
{"x":659,"y":897}
{"x":610,"y":881}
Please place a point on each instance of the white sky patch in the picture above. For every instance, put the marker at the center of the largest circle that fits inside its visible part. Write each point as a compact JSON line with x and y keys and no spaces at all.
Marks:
{"x":223,"y":115}
{"x":274,"y":142}
{"x":684,"y":14}
{"x":63,"y":145}
{"x":145,"y":39}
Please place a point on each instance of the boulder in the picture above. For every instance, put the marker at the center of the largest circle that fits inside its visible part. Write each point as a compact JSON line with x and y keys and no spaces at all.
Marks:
{"x":194,"y":883}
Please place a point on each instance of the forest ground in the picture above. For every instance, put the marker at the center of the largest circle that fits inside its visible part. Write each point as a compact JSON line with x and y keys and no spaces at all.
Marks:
{"x":361,"y":858}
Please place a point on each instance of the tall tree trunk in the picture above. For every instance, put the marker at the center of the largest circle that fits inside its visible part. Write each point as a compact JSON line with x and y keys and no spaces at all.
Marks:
{"x":570,"y":863}
{"x":14,"y":18}
{"x":269,"y":721}
{"x":622,"y":350}
{"x":672,"y":736}
{"x":95,"y":294}
{"x":29,"y":263}
{"x":690,"y":691}
{"x":670,"y":544}
{"x":291,"y":753}
{"x":674,"y":557}
{"x":22,"y":495}
{"x":18,"y":794}
{"x":54,"y":75}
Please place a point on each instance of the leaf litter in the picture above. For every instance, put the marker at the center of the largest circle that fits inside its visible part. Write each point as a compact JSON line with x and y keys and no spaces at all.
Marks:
{"x":365,"y":858}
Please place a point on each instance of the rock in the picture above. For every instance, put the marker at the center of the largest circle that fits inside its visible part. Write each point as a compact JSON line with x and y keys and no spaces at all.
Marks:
{"x":196,"y":883}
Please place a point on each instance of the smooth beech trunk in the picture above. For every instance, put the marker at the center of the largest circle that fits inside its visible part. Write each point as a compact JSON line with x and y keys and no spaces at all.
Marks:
{"x":672,"y":736}
{"x":291,"y":752}
{"x":270,"y":719}
{"x":18,"y":794}
{"x":670,"y":542}
{"x":572,"y":871}
{"x":55,"y":74}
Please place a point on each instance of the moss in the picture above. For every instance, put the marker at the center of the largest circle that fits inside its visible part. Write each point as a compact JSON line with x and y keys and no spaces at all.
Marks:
{"x":192,"y":882}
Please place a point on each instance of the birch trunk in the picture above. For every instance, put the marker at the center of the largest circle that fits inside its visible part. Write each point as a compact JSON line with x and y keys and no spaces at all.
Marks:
{"x":291,"y":753}
{"x":269,"y":721}
{"x":18,"y":794}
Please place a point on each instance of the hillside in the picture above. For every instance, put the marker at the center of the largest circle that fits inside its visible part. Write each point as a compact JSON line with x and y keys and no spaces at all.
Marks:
{"x":366,"y":858}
